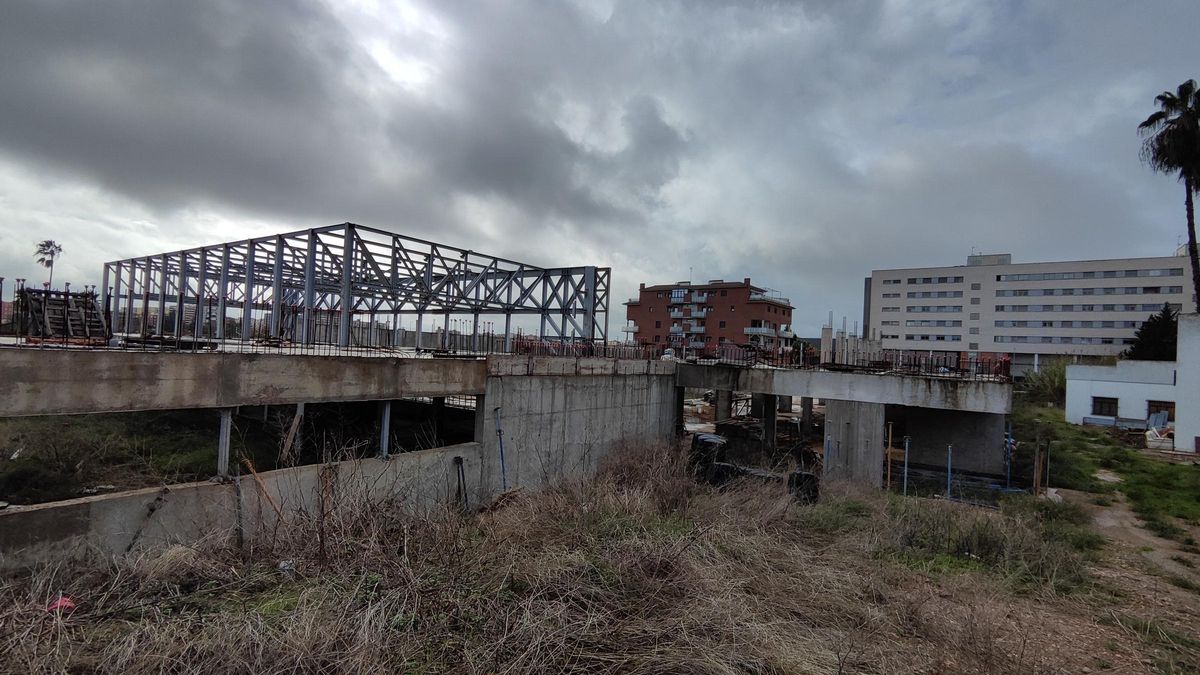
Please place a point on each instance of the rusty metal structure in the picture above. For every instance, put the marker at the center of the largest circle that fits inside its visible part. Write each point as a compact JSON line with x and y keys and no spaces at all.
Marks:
{"x":336,"y":284}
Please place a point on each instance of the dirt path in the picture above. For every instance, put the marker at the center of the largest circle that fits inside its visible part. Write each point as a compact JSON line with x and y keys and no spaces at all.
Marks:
{"x":1118,"y":523}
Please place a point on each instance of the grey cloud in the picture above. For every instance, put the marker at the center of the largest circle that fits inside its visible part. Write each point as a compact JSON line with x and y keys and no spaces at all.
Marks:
{"x":800,"y":143}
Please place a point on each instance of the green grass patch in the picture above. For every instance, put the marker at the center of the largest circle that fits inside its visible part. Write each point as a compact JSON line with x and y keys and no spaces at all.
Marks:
{"x":1029,"y":542}
{"x":1161,"y":493}
{"x":834,"y":516}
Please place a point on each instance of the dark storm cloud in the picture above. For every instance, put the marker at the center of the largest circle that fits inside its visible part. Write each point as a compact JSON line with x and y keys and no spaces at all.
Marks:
{"x":800,"y":143}
{"x":250,"y":103}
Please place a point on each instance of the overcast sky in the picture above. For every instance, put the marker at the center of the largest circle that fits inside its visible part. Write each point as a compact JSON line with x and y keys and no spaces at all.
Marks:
{"x":799,"y":143}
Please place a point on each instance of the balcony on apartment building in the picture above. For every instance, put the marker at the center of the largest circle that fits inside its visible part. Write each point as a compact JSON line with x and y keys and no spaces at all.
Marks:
{"x":699,"y":313}
{"x":770,"y":297}
{"x":759,"y":330}
{"x":785,"y":333}
{"x":630,"y":327}
{"x":696,"y":344}
{"x":677,"y":329}
{"x":676,"y":314}
{"x":695,"y":329}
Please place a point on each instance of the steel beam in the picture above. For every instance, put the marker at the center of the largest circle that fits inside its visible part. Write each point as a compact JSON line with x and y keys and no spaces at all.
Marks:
{"x":357,"y":272}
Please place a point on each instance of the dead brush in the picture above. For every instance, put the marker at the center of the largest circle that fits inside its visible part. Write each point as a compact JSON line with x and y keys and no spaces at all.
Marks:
{"x":636,"y":569}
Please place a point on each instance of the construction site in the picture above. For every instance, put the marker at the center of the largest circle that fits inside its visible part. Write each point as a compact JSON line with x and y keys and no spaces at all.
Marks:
{"x":359,"y":403}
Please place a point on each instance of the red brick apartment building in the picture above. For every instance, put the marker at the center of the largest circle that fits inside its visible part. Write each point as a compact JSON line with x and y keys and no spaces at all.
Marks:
{"x":704,"y":316}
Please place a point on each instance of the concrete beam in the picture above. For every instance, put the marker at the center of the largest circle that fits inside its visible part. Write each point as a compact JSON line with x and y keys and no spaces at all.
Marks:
{"x":68,"y":381}
{"x":923,"y":392}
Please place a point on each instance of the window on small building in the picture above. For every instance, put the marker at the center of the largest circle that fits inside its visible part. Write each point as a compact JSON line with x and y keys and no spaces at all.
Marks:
{"x":1159,"y":406}
{"x":722,"y":325}
{"x":1104,"y":406}
{"x":724,"y":293}
{"x":657,"y":338}
{"x":658,"y":324}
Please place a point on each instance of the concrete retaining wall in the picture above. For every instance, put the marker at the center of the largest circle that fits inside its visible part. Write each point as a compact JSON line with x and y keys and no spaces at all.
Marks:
{"x":112,"y":525}
{"x":561,"y":416}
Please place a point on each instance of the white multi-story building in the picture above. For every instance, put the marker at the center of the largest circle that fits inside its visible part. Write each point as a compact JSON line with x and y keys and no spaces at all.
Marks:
{"x":992,"y":306}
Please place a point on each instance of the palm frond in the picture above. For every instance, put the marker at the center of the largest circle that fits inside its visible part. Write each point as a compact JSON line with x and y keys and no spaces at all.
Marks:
{"x":1186,"y":90}
{"x":1152,"y":122}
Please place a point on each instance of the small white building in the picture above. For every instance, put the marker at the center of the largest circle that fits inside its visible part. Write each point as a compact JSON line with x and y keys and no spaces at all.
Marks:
{"x":1128,"y":392}
{"x":1131,"y":391}
{"x":1187,"y":428}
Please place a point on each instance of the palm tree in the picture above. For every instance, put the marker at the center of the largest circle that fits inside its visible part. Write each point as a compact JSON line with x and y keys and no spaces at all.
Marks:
{"x":1172,"y":145}
{"x":47,"y":252}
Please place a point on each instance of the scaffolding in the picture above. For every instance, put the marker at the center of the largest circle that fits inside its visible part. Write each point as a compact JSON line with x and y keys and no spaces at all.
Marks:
{"x":329,"y":285}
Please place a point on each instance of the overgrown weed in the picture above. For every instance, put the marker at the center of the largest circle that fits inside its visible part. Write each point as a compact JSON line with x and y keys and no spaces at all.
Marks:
{"x":636,"y":569}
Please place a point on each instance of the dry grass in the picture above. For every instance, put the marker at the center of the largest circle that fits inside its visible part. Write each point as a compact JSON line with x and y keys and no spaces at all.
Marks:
{"x":638,"y":570}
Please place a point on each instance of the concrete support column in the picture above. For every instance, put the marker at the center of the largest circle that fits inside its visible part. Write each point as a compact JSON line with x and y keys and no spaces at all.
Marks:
{"x":480,"y":418}
{"x":756,"y":405}
{"x":770,"y":406}
{"x":439,"y":416}
{"x":724,"y":409}
{"x":806,"y":415}
{"x":679,"y":394}
{"x":385,"y":428}
{"x":223,"y":442}
{"x":785,"y":404}
{"x":856,"y":432}
{"x":298,"y":439}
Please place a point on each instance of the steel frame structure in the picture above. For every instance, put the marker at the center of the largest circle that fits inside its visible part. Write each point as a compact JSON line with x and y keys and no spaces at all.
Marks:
{"x":343,"y":272}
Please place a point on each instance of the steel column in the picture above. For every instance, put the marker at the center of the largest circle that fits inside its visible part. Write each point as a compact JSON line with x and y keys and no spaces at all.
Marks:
{"x":310,"y":293}
{"x":347,"y":298}
{"x":222,"y":293}
{"x":248,"y":298}
{"x":277,"y":288}
{"x":145,"y":323}
{"x":129,"y":308}
{"x":182,"y":293}
{"x":201,"y":281}
{"x":161,"y":309}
